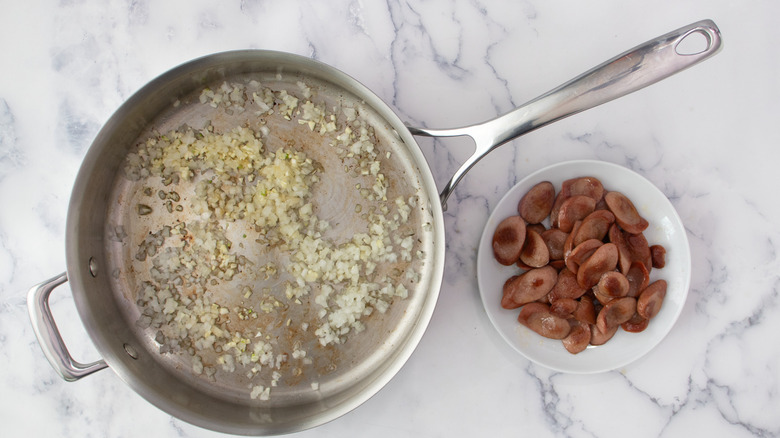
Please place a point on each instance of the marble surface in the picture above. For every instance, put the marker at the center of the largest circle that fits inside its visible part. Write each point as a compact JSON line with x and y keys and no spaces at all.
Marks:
{"x":707,"y":138}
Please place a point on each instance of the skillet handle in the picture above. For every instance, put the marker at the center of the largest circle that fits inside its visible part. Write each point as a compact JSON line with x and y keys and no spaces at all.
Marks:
{"x":49,"y":336}
{"x":630,"y":71}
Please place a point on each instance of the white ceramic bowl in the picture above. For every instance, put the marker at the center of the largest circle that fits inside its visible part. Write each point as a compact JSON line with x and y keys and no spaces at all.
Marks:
{"x":665,"y":229}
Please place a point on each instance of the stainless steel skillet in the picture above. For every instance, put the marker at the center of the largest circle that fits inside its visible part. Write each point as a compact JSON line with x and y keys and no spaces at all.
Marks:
{"x":104,"y":276}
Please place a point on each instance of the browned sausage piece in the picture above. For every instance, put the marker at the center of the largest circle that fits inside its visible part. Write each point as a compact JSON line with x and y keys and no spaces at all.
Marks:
{"x":537,"y":317}
{"x":536,"y":204}
{"x":578,"y":338}
{"x":563,"y":307}
{"x":568,"y":245}
{"x":574,"y":209}
{"x":557,"y":264}
{"x":615,"y":312}
{"x":639,"y":249}
{"x":613,"y":285}
{"x":600,"y":298}
{"x":594,"y":226}
{"x":508,"y":240}
{"x":604,"y":259}
{"x":559,"y":198}
{"x":658,"y":255}
{"x":650,"y":300}
{"x":585,"y":311}
{"x":601,"y":205}
{"x":597,"y":337}
{"x":585,"y":186}
{"x":520,"y":264}
{"x":535,"y":253}
{"x":638,"y":279}
{"x":531,"y":285}
{"x":580,"y":253}
{"x":625,"y":213}
{"x":506,"y":298}
{"x":636,"y":324}
{"x":538,"y":228}
{"x":555,"y":238}
{"x":566,"y":286}
{"x":617,"y":237}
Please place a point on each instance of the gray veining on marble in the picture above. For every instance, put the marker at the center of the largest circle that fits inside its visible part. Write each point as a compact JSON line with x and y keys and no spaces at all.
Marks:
{"x":707,"y":138}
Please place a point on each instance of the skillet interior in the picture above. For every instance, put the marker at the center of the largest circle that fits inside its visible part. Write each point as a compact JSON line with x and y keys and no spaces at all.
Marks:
{"x":105,"y":199}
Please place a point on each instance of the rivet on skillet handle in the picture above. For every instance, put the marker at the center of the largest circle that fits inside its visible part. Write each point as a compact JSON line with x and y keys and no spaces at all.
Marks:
{"x":630,"y":71}
{"x":49,"y":336}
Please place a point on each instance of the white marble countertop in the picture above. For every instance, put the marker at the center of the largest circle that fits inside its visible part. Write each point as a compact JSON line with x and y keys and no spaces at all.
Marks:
{"x":707,"y":138}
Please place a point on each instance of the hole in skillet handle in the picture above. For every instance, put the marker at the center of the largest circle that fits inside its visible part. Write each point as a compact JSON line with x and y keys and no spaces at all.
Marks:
{"x":694,"y":43}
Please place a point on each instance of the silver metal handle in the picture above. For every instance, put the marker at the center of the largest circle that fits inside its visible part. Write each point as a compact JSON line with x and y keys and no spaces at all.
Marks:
{"x":49,"y":336}
{"x":637,"y":68}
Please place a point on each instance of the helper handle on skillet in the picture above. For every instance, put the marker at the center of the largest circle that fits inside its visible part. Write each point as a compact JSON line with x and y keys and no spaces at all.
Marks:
{"x":637,"y":68}
{"x":49,"y":336}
